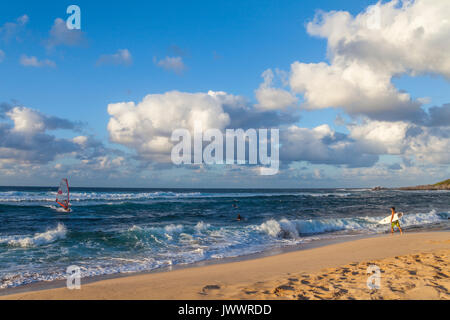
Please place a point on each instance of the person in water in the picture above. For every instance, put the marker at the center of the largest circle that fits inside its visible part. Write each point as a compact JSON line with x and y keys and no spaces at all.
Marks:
{"x":395,"y":223}
{"x":239,"y":218}
{"x":66,"y":206}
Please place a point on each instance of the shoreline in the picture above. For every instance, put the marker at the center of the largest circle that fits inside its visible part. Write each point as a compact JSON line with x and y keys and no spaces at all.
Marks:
{"x":225,"y":278}
{"x":61,"y":283}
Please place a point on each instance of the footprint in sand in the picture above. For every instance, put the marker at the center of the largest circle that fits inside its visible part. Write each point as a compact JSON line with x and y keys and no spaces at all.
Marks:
{"x":206,"y":289}
{"x":280,"y":290}
{"x":250,"y":292}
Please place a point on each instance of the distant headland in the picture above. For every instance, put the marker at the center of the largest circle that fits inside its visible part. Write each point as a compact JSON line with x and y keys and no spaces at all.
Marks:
{"x":443,"y":185}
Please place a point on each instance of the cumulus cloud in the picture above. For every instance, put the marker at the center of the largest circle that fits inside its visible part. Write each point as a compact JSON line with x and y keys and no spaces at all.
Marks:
{"x":12,"y":30}
{"x":355,"y":88}
{"x":365,"y":142}
{"x":439,"y":116}
{"x":60,"y":35}
{"x":2,"y":55}
{"x":174,"y":64}
{"x":26,"y":138}
{"x":27,"y":119}
{"x":32,"y":61}
{"x":411,"y":38}
{"x":270,"y":98}
{"x":29,"y":151}
{"x":423,"y":144}
{"x":122,"y":56}
{"x":381,"y":137}
{"x":322,"y":145}
{"x":147,"y":126}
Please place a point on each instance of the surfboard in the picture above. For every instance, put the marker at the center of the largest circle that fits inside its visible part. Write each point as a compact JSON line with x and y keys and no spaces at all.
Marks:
{"x":387,"y":220}
{"x":59,"y":209}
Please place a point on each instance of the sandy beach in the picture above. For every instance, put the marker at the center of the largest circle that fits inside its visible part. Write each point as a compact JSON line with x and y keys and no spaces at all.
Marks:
{"x":412,"y":266}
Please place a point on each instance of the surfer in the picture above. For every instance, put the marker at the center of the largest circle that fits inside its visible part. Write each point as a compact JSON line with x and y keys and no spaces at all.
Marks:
{"x":395,"y":223}
{"x":66,"y":206}
{"x":239,"y":218}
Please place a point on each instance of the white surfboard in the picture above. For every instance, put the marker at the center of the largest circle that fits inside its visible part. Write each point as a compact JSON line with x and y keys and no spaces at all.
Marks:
{"x":387,"y":220}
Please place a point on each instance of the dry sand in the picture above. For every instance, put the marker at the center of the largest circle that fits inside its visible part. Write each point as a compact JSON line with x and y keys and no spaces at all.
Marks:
{"x":412,"y":266}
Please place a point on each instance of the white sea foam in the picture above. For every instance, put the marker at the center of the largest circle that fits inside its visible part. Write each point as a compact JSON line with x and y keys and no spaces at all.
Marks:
{"x":50,"y":196}
{"x":114,"y":197}
{"x":201,"y":226}
{"x":172,"y":228}
{"x":38,"y":239}
{"x":287,"y":229}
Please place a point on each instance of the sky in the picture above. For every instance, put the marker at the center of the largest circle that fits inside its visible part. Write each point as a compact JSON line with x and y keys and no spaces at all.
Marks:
{"x":359,"y":91}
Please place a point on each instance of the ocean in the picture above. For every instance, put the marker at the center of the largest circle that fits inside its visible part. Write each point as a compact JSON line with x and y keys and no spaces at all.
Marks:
{"x":112,"y":231}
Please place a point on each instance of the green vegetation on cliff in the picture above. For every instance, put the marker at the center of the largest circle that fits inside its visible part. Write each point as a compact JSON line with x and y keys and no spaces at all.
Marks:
{"x":446,"y":182}
{"x":443,"y":185}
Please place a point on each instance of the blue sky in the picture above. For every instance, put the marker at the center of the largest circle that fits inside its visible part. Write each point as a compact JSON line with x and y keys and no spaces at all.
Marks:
{"x":222,"y":45}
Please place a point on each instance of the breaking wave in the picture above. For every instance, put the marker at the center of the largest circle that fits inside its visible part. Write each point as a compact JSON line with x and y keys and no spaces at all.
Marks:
{"x":76,"y":196}
{"x":38,"y":239}
{"x":288,"y":229}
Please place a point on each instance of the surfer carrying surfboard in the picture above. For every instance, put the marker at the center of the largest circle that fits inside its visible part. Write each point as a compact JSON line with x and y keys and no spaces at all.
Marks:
{"x":395,"y":223}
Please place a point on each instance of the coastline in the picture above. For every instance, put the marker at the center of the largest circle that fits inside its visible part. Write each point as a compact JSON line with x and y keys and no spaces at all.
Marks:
{"x":55,"y":284}
{"x":264,"y":276}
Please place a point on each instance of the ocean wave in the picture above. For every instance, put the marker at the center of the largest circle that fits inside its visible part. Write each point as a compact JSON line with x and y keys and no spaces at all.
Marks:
{"x":17,"y":196}
{"x":38,"y":239}
{"x":201,"y":226}
{"x":149,"y":246}
{"x":288,"y":229}
{"x":114,"y":197}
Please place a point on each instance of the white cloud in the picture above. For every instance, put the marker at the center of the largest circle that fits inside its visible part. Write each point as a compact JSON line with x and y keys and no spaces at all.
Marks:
{"x":381,"y":137}
{"x":270,"y":98}
{"x":26,"y":120}
{"x":423,"y":144}
{"x":27,"y":141}
{"x":60,"y":35}
{"x":122,"y":56}
{"x":2,"y":55}
{"x":29,"y":151}
{"x":81,"y":140}
{"x":147,"y":126}
{"x":412,"y":38}
{"x":174,"y":64}
{"x":322,"y":145}
{"x":354,"y":87}
{"x":12,"y":29}
{"x":32,"y":61}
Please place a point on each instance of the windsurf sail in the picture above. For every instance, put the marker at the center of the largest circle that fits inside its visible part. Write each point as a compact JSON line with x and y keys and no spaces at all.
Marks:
{"x":63,"y":196}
